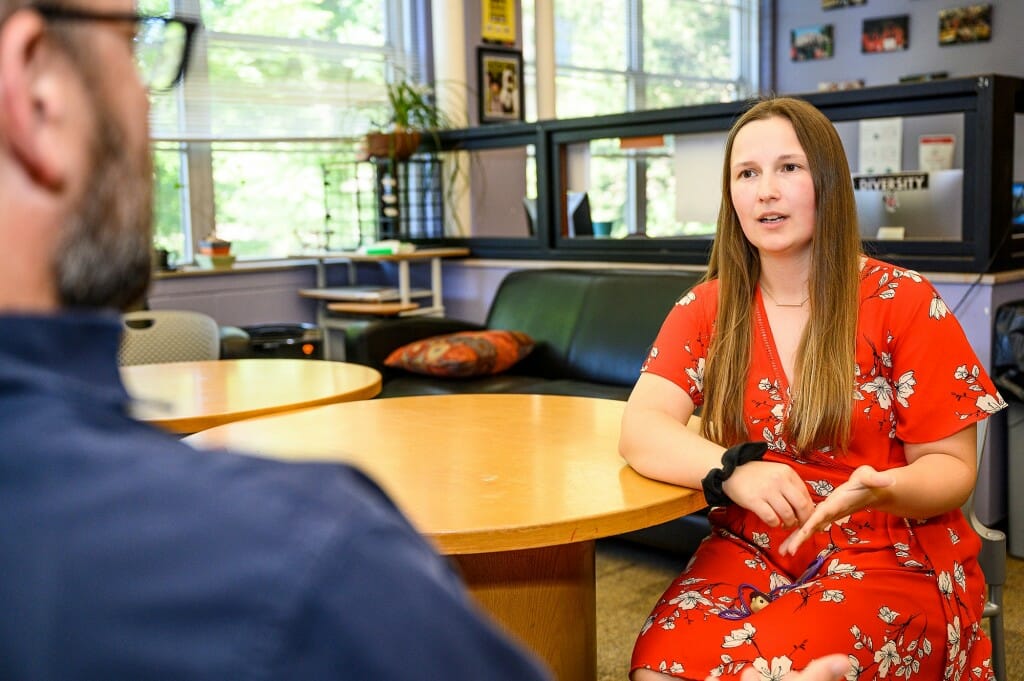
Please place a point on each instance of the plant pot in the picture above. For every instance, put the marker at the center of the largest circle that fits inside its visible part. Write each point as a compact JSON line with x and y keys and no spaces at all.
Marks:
{"x":394,"y":145}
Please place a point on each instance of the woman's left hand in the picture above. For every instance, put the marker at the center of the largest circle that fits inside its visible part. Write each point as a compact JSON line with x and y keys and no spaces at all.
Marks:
{"x":859,"y":492}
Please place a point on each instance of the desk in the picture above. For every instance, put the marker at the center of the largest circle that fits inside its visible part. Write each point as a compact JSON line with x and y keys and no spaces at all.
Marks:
{"x":185,"y":397}
{"x":516,"y":488}
{"x":337,"y":299}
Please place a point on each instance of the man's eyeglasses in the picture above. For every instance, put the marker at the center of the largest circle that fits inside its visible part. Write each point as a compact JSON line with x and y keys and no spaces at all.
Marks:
{"x":162,"y":44}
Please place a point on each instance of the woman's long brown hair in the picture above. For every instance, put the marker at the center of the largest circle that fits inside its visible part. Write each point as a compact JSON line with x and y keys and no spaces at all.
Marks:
{"x":823,"y":385}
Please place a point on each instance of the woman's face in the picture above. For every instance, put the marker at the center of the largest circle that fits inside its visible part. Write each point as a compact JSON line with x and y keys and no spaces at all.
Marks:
{"x":771,"y":187}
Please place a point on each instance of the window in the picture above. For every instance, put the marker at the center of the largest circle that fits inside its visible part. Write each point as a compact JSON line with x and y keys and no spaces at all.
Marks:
{"x":274,"y":91}
{"x":650,"y":54}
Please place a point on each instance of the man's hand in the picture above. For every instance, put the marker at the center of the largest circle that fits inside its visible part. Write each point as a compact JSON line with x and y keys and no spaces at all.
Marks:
{"x":857,"y":493}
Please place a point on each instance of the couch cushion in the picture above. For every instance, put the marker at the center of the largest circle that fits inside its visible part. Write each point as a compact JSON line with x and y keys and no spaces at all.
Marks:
{"x":618,"y":320}
{"x":589,"y":325}
{"x":462,"y":354}
{"x":543,"y":304}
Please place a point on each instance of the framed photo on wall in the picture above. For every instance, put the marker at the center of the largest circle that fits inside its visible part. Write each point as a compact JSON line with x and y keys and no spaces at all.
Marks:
{"x":885,"y":34}
{"x":969,"y":24}
{"x":811,"y":42}
{"x":500,"y":84}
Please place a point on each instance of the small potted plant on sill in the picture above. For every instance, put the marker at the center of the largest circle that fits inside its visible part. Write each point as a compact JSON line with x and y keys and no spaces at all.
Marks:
{"x":413,"y":112}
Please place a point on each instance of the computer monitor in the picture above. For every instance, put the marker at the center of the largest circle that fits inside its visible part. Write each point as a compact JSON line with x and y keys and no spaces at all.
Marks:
{"x":1018,"y":205}
{"x":934,"y":213}
{"x":578,"y":206}
{"x":530,"y":206}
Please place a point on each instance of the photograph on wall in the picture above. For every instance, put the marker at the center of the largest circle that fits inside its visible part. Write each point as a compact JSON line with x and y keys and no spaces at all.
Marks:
{"x":500,"y":85}
{"x":970,"y":24}
{"x":833,"y":4}
{"x":885,"y":34}
{"x":810,"y":43}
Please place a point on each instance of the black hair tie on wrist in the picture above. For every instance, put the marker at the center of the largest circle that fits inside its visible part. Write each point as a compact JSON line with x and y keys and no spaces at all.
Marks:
{"x":737,"y":455}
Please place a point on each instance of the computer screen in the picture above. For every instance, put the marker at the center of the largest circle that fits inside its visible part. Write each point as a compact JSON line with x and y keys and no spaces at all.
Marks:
{"x":530,"y":206}
{"x":1018,"y":203}
{"x":934,"y":212}
{"x":578,"y":205}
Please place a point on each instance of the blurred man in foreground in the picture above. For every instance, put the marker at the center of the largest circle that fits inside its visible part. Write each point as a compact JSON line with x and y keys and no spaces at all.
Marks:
{"x":124,"y":553}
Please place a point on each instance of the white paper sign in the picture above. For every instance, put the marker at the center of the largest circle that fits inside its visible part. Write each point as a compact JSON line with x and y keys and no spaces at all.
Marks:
{"x":881,"y":145}
{"x":935,"y":152}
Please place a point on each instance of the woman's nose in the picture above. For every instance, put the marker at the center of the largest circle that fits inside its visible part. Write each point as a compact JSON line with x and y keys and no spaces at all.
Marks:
{"x":767,"y":187}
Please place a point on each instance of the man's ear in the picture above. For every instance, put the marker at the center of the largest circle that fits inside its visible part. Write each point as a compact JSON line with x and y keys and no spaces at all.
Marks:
{"x":28,"y":88}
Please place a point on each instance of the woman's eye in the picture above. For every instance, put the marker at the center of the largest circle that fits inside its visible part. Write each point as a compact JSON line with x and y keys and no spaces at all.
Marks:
{"x":746,"y":173}
{"x":790,"y":167}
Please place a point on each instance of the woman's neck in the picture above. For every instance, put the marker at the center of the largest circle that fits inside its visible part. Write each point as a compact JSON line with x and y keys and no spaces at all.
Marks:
{"x":785,"y":283}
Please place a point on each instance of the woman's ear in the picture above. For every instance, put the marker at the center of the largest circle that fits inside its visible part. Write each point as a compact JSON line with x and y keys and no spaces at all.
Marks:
{"x":32,"y":92}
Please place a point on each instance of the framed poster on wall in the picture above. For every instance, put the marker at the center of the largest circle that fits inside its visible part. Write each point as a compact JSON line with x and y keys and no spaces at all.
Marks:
{"x":498,"y":21}
{"x":886,"y":34}
{"x":810,"y":43}
{"x":500,"y":86}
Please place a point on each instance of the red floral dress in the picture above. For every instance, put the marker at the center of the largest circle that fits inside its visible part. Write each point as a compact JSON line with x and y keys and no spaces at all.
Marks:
{"x":902,"y":597}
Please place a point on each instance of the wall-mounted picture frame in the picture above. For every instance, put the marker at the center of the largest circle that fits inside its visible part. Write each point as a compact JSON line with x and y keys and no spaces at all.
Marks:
{"x":885,"y":34}
{"x":970,"y":24}
{"x":833,"y":4}
{"x":500,"y":84}
{"x":811,"y":43}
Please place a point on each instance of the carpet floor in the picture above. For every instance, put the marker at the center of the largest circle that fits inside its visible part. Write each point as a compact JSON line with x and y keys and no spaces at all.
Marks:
{"x":631,"y":577}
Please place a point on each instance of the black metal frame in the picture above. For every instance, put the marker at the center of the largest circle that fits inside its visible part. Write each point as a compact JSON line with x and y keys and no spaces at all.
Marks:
{"x":988,"y":104}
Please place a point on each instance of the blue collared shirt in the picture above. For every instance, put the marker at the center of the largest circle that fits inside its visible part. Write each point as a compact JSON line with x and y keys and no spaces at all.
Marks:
{"x":125,"y":554}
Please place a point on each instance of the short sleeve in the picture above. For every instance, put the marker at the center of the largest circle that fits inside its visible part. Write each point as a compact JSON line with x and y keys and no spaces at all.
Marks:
{"x":680,"y":349}
{"x":938,"y":383}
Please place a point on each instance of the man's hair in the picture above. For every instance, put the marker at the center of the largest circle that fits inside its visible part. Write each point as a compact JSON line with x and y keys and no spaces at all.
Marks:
{"x":822,"y":389}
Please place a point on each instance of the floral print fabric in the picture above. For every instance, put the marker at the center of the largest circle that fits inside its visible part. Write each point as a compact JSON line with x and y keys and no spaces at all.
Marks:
{"x":902,"y":597}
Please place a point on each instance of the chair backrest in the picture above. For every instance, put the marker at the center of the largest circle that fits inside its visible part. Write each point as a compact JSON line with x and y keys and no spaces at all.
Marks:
{"x":992,"y":560}
{"x":151,"y":336}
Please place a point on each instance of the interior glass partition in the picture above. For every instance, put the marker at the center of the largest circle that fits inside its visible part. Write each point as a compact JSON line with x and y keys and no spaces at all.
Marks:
{"x":930,"y":164}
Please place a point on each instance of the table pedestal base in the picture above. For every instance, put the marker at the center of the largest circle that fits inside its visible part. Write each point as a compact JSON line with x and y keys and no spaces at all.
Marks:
{"x":546,"y":598}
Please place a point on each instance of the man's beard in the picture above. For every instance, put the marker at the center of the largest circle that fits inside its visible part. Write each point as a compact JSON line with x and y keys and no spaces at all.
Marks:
{"x":105,"y":259}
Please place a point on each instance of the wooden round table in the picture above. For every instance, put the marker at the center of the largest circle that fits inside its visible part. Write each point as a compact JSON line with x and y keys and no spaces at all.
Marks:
{"x":186,"y":397}
{"x":515,"y":487}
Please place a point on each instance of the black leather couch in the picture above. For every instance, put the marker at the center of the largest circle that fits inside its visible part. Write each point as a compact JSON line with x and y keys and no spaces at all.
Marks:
{"x":593,"y":329}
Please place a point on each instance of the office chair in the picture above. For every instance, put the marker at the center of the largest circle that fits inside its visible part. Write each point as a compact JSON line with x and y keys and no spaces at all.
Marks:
{"x":993,"y":564}
{"x":151,"y":336}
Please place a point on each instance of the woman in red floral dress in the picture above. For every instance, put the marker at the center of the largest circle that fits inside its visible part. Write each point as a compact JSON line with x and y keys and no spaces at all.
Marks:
{"x":836,"y":523}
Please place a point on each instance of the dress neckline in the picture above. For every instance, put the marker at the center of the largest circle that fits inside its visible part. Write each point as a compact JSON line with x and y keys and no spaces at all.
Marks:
{"x":767,"y":338}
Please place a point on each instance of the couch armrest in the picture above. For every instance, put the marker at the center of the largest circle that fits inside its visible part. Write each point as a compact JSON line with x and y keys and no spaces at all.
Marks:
{"x":370,"y":344}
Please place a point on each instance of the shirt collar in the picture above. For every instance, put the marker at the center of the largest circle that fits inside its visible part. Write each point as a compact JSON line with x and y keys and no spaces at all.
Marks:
{"x":74,"y":351}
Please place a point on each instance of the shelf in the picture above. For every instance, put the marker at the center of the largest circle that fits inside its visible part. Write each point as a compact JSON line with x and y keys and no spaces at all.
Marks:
{"x":382,"y":309}
{"x":362,"y":294}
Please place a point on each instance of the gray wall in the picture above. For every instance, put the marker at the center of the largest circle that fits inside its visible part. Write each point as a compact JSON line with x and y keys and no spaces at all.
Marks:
{"x":1002,"y":54}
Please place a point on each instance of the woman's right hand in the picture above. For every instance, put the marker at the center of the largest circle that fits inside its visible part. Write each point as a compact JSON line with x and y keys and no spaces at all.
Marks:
{"x":771,"y":490}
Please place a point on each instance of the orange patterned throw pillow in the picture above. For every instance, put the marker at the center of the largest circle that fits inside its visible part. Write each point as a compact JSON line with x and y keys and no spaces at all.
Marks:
{"x":463,"y":354}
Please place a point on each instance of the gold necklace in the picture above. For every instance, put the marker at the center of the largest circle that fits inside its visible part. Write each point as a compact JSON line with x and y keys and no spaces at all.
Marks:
{"x":778,"y":304}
